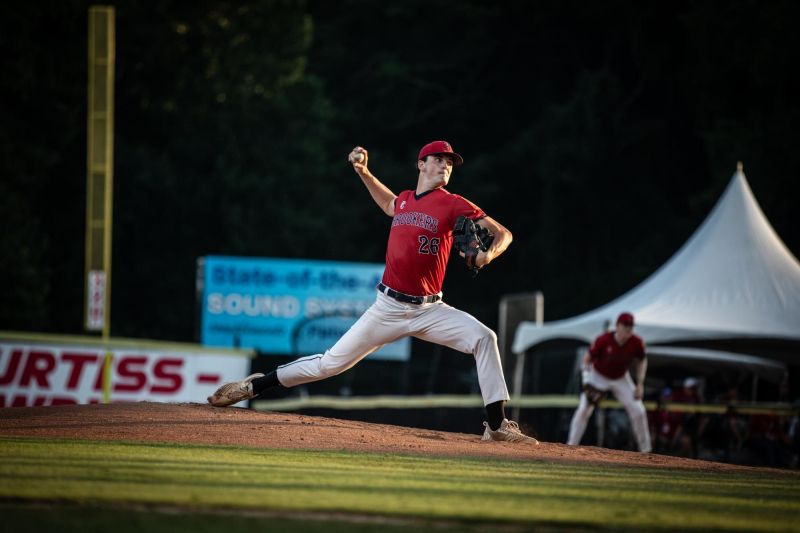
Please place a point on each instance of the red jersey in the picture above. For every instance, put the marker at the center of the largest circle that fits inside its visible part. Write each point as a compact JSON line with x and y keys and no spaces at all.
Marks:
{"x":613,"y":360}
{"x":421,"y":238}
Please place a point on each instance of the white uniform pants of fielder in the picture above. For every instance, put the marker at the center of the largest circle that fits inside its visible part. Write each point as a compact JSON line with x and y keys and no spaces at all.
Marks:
{"x":388,"y":320}
{"x":623,"y":389}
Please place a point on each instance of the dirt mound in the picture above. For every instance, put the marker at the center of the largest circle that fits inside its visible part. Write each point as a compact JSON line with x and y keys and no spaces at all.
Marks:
{"x":202,"y":424}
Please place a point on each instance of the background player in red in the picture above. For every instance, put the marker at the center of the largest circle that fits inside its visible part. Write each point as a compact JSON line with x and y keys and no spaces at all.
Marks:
{"x":409,"y":300}
{"x":606,"y":365}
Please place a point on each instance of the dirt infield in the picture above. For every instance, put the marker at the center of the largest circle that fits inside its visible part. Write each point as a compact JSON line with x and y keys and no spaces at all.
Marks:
{"x":202,"y":424}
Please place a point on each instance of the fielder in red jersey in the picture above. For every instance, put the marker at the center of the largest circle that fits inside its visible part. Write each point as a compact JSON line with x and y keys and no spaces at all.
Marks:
{"x":612,"y":359}
{"x":409,"y":300}
{"x":606,"y":365}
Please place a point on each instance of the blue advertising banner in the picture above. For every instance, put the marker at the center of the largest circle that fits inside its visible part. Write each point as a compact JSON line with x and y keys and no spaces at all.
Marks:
{"x":286,"y":306}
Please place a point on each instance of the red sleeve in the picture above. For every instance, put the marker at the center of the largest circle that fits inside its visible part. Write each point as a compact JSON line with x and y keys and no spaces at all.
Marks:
{"x":400,"y":197}
{"x":595,"y":348}
{"x":463,"y":207}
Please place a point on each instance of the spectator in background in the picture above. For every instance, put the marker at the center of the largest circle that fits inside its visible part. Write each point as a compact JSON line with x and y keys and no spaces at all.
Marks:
{"x":794,"y":441}
{"x":768,"y":439}
{"x":733,"y":429}
{"x":690,"y":424}
{"x":664,"y":423}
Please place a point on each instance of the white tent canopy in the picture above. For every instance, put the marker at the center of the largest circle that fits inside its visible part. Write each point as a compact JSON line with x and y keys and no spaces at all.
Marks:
{"x":703,"y":360}
{"x":734,"y":278}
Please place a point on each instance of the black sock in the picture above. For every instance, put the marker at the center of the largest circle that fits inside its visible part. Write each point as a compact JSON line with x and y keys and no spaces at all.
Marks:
{"x":267,"y":382}
{"x":496,"y":412}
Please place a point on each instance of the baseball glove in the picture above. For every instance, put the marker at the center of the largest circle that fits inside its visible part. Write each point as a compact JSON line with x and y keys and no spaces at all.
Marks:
{"x":469,"y":239}
{"x":594,"y":395}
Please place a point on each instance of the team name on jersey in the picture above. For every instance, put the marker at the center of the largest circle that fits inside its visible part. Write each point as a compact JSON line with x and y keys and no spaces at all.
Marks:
{"x":415,"y":218}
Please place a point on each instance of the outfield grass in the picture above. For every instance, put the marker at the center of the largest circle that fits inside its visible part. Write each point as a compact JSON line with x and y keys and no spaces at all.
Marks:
{"x":106,"y":475}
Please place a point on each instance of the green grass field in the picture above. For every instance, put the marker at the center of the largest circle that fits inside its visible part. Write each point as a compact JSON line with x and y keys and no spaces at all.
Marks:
{"x":68,"y":485}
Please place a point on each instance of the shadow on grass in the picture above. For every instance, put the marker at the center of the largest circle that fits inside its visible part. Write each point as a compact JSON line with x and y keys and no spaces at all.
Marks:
{"x":24,"y":517}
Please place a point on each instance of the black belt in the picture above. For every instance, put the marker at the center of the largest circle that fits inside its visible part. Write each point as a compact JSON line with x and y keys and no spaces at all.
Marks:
{"x":407,"y":298}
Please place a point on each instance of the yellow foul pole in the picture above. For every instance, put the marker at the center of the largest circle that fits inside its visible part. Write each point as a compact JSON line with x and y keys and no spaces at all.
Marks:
{"x":100,"y":178}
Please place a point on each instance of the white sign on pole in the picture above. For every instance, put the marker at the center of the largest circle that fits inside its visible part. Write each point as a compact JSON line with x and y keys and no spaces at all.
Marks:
{"x":96,"y":310}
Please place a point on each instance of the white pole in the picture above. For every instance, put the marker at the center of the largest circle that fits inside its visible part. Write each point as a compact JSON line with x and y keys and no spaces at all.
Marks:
{"x":519,"y":370}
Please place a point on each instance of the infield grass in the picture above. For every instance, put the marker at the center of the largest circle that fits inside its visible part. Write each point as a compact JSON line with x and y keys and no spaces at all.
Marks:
{"x":349,"y":487}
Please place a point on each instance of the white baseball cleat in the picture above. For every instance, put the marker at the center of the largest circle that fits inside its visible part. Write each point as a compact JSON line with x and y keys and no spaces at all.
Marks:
{"x":234,"y":392}
{"x":509,"y":432}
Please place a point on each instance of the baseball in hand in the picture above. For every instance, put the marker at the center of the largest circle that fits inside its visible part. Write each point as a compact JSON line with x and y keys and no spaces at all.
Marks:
{"x":356,"y":157}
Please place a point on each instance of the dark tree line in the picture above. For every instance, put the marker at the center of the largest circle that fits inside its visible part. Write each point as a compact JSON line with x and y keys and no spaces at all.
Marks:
{"x":601,"y":134}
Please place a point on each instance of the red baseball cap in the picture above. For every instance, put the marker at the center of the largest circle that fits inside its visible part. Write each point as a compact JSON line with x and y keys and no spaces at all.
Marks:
{"x":626,"y":319}
{"x":440,"y":147}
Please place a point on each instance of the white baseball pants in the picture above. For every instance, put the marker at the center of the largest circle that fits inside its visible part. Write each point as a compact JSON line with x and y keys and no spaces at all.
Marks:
{"x":623,"y":389}
{"x":388,"y":320}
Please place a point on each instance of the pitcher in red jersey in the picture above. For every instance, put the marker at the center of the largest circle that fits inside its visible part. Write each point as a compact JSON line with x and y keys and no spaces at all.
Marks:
{"x":409,"y":299}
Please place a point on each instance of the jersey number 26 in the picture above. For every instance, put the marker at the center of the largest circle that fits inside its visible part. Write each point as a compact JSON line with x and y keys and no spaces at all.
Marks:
{"x":428,"y":246}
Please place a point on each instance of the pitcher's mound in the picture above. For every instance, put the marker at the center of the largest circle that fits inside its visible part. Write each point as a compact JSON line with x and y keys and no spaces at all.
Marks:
{"x":202,"y":424}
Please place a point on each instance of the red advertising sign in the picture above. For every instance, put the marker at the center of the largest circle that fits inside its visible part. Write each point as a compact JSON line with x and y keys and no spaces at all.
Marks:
{"x":52,"y":374}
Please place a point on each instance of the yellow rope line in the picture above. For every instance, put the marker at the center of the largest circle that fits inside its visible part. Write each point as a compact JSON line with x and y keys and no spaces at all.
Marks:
{"x":527,"y":402}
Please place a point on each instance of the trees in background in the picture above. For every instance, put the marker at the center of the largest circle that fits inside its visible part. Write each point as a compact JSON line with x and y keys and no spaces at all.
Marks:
{"x":600,"y":135}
